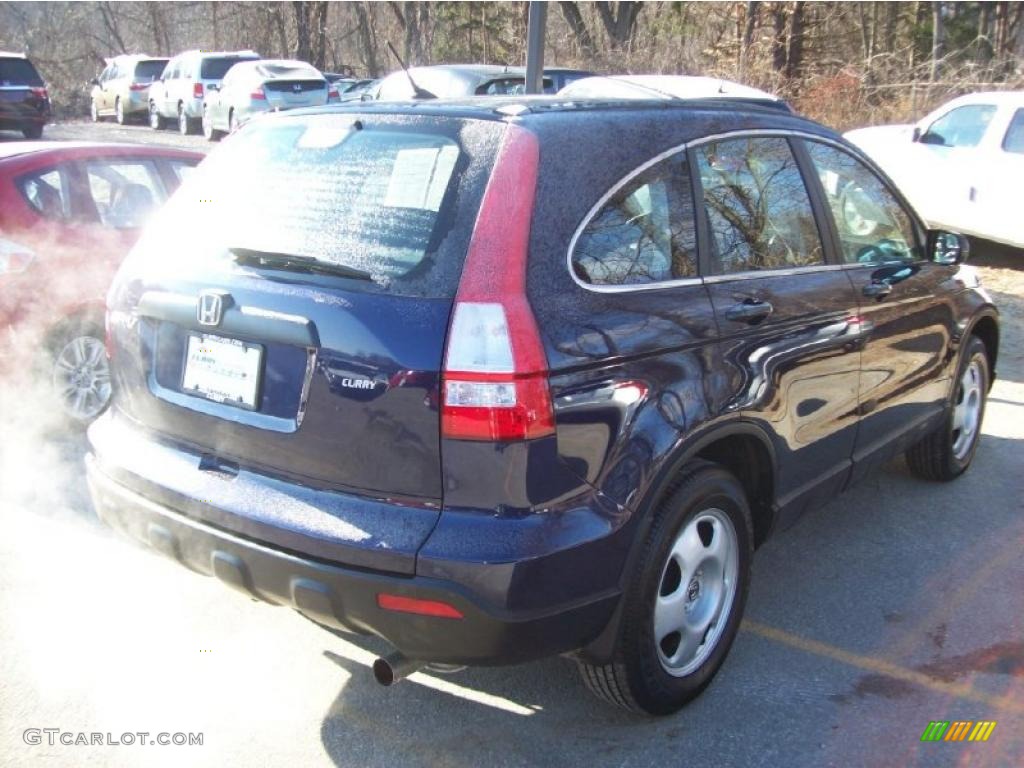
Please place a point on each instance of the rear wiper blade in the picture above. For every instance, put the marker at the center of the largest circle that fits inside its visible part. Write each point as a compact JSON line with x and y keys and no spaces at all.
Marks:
{"x":293,"y":263}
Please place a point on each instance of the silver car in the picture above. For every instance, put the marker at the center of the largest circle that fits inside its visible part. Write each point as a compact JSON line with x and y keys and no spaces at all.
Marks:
{"x":253,"y":87}
{"x":180,"y":92}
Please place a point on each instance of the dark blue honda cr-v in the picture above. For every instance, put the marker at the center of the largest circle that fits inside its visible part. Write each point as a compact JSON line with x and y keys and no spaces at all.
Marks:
{"x":515,"y":378}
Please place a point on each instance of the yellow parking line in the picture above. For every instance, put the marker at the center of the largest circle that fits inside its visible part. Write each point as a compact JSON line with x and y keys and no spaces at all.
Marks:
{"x":878,"y":666}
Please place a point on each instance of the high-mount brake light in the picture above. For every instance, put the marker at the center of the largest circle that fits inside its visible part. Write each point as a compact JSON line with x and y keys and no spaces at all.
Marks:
{"x":495,"y":380}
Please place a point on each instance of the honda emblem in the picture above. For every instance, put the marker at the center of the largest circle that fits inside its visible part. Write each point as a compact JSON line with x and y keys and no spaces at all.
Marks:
{"x":210,"y":308}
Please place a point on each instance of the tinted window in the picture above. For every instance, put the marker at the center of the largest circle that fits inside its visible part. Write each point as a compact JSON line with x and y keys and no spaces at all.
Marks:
{"x":384,"y":201}
{"x":645,"y":233}
{"x":149,"y":70}
{"x":48,"y":193}
{"x":125,"y":192}
{"x":873,"y":227}
{"x":758,"y":209}
{"x":961,"y":127}
{"x":1014,"y":139}
{"x":215,"y":69}
{"x":19,"y":72}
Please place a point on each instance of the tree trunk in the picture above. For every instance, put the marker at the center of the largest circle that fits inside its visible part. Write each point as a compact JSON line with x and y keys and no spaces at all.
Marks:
{"x":747,"y":40}
{"x":779,"y":37}
{"x":367,"y":39}
{"x":938,"y":40}
{"x":573,"y":17}
{"x":795,"y":54}
{"x":619,"y":25}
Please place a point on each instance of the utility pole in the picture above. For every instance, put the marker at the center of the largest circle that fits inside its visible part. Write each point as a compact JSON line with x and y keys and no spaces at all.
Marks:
{"x":535,"y":46}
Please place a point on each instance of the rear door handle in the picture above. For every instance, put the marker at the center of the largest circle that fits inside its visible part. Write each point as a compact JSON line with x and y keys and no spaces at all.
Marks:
{"x":877,"y":289}
{"x":749,"y":311}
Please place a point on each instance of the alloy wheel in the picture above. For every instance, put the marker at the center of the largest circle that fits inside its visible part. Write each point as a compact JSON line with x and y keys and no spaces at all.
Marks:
{"x":696,"y":592}
{"x":81,"y":377}
{"x":967,"y":411}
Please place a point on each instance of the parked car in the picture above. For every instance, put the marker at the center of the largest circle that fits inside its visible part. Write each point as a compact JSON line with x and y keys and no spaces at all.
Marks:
{"x":504,"y":401}
{"x":960,"y":165}
{"x":453,"y":81}
{"x":357,"y":90}
{"x":561,"y":77}
{"x":122,"y":88}
{"x":251,"y":88}
{"x":24,"y":100}
{"x":182,"y":89}
{"x":665,"y":87}
{"x":69,"y":213}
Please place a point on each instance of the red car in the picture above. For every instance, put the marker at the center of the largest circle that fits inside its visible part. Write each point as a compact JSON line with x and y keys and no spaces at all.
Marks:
{"x":69,"y":214}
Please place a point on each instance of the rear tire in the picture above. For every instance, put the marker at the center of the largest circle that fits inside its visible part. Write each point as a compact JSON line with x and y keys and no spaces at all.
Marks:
{"x":34,"y":131}
{"x":184,"y":122}
{"x":156,"y":120}
{"x":211,"y":133}
{"x":80,"y":373}
{"x":947,"y":452}
{"x":119,"y":115}
{"x":689,"y":585}
{"x":94,"y":112}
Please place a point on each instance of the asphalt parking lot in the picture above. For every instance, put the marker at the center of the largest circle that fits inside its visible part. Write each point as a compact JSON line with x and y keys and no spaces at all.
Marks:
{"x":899,"y":603}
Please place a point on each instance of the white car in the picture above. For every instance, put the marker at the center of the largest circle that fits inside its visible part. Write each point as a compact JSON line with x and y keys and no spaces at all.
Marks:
{"x":961,"y":165}
{"x":268,"y":85}
{"x":181,"y":90}
{"x":663,"y":87}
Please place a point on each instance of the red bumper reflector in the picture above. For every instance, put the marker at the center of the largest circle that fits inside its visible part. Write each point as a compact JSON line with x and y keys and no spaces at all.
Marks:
{"x":413,"y":605}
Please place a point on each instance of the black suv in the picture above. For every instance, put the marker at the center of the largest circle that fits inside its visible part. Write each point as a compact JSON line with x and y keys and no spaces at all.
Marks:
{"x":511,"y":378}
{"x":24,"y":101}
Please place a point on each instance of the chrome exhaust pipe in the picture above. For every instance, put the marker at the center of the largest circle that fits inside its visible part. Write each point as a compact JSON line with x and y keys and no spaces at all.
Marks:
{"x":394,"y":668}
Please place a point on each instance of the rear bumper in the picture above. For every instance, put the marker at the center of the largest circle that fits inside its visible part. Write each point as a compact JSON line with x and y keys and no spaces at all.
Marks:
{"x":346,"y":597}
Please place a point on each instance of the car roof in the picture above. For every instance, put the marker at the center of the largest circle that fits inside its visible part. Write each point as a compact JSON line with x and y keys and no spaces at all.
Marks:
{"x":255,"y":64}
{"x":76,"y":150}
{"x":546,"y":108}
{"x":12,"y":55}
{"x":989,"y":97}
{"x":217,"y":54}
{"x":668,"y":86}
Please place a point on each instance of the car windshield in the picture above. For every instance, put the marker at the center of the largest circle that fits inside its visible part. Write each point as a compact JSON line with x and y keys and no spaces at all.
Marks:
{"x":216,"y":68}
{"x":285,"y":71}
{"x":377,"y":201}
{"x":19,"y":72}
{"x":149,"y":70}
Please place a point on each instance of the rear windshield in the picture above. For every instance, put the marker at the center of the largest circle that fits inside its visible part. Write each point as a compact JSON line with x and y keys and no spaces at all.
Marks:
{"x":215,"y":69}
{"x":19,"y":72}
{"x":149,"y":70}
{"x":393,"y":203}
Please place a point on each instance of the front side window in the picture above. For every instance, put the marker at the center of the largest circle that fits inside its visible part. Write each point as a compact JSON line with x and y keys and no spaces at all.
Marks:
{"x":125,"y":192}
{"x":758,"y":210}
{"x":1014,"y":139}
{"x":960,"y":127}
{"x":873,"y":226}
{"x":645,"y":233}
{"x":48,"y":193}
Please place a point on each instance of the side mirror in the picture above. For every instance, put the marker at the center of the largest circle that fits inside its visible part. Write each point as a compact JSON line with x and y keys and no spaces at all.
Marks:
{"x":949,"y":248}
{"x":95,"y":81}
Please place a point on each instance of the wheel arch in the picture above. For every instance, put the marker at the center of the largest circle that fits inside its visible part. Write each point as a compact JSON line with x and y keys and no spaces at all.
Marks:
{"x":985,"y":325}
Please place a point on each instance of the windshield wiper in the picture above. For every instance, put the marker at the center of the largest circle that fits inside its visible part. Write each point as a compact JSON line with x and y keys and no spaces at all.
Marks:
{"x":293,"y":263}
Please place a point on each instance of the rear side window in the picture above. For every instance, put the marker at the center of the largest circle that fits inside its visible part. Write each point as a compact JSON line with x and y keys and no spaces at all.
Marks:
{"x":125,"y":192}
{"x":215,"y":69}
{"x":19,"y":72}
{"x":378,"y":204}
{"x":48,"y":192}
{"x":644,"y":233}
{"x":759,"y":213}
{"x":147,"y":71}
{"x":960,"y":127}
{"x":1014,"y":139}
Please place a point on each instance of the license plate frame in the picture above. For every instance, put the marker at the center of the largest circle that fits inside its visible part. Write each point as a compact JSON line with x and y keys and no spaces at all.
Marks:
{"x":248,"y":363}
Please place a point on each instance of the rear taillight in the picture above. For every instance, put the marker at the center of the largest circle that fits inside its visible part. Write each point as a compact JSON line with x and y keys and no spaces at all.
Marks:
{"x":495,"y":379}
{"x":41,"y":93}
{"x":144,"y":86}
{"x":14,"y":257}
{"x":258,"y":94}
{"x":197,"y":90}
{"x":332,"y":93}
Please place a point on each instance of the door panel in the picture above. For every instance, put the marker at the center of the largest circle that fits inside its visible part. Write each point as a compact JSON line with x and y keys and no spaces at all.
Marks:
{"x":789,"y":334}
{"x":905,"y":305}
